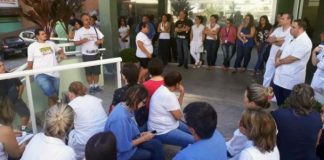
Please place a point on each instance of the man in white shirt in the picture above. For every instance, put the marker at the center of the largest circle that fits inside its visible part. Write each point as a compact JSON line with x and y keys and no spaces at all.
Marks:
{"x":291,"y":61}
{"x":89,"y":38}
{"x":165,"y":113}
{"x":277,"y":38}
{"x":41,"y":54}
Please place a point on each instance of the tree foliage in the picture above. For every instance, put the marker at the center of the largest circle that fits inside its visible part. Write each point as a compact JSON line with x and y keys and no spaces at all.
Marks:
{"x":45,"y":13}
{"x":179,"y":5}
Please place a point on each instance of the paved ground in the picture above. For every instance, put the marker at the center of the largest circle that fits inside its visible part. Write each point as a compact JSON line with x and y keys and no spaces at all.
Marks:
{"x":223,"y":90}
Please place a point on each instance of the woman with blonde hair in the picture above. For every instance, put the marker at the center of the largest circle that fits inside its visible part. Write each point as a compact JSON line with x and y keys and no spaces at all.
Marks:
{"x":50,"y":144}
{"x":260,"y":128}
{"x":299,"y":126}
{"x":255,"y":97}
{"x":8,"y":142}
{"x":90,"y":117}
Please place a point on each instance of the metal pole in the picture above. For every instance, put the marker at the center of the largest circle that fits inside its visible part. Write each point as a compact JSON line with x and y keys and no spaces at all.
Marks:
{"x":119,"y":84}
{"x":31,"y":104}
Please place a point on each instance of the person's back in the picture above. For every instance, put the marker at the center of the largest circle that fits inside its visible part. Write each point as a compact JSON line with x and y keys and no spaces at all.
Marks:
{"x":50,"y":148}
{"x":213,"y":148}
{"x":90,"y":117}
{"x":297,"y":134}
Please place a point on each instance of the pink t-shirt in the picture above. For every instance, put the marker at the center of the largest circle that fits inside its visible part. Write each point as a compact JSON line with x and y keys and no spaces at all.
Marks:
{"x":151,"y":86}
{"x":229,"y":35}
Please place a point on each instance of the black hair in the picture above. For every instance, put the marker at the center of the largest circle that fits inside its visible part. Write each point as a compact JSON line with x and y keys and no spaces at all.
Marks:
{"x":301,"y":23}
{"x":101,"y":146}
{"x":251,"y":23}
{"x":167,"y":16}
{"x":77,"y":21}
{"x":119,"y":21}
{"x":94,"y":17}
{"x":155,"y":67}
{"x":201,"y":19}
{"x":38,"y":30}
{"x":131,"y":72}
{"x":172,"y":78}
{"x":142,"y":25}
{"x":215,"y":16}
{"x":230,"y":20}
{"x":196,"y":116}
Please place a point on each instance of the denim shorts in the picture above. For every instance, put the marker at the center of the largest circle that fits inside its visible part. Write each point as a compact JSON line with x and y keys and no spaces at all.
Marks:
{"x":49,"y":85}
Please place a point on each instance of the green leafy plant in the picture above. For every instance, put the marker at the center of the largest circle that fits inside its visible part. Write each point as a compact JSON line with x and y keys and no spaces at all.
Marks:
{"x":128,"y":55}
{"x":45,"y":13}
{"x":179,"y":5}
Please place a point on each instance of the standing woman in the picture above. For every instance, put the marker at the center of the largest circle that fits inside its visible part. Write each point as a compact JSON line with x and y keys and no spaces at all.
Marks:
{"x":144,"y":50}
{"x":263,"y":46}
{"x":228,"y":38}
{"x":124,"y":32}
{"x":197,"y":40}
{"x":164,"y":39}
{"x":212,"y":40}
{"x":8,"y":142}
{"x":245,"y":42}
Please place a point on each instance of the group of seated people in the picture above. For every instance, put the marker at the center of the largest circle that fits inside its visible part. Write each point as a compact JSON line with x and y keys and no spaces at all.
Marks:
{"x":144,"y":117}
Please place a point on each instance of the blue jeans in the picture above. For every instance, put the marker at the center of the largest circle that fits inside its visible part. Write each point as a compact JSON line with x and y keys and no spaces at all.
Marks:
{"x":180,"y":136}
{"x":228,"y":51}
{"x":281,"y":94}
{"x":183,"y":51}
{"x":262,"y":53}
{"x":150,"y":150}
{"x":49,"y":85}
{"x":211,"y":47}
{"x":243,"y":52}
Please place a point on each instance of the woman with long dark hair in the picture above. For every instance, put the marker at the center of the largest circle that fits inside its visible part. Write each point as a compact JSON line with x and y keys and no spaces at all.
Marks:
{"x":245,"y":42}
{"x":164,"y":39}
{"x":124,"y":31}
{"x":263,"y":46}
{"x":212,"y":40}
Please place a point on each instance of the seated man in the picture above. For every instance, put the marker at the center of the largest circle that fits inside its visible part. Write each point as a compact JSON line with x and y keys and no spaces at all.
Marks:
{"x":209,"y":142}
{"x":13,"y":89}
{"x":165,"y":113}
{"x":41,"y":54}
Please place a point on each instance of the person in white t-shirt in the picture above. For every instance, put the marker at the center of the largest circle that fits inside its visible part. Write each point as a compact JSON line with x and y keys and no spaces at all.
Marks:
{"x":89,"y":38}
{"x":50,"y":144}
{"x":291,"y":61}
{"x":276,"y":39}
{"x":41,"y":54}
{"x":164,"y":38}
{"x":165,"y":114}
{"x":260,"y":128}
{"x":90,"y":117}
{"x":124,"y":32}
{"x":197,"y":37}
{"x":144,"y":50}
{"x":318,"y":61}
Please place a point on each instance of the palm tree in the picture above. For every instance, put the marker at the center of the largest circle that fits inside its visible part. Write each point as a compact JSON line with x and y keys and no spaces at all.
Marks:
{"x":180,"y":5}
{"x":45,"y":13}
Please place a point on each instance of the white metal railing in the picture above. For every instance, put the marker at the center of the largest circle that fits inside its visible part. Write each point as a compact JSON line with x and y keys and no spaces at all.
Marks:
{"x":28,"y":73}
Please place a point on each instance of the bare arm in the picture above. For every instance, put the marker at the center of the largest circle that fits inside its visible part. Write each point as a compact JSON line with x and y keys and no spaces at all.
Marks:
{"x":145,"y":136}
{"x":252,"y":33}
{"x":239,"y":34}
{"x":177,"y":114}
{"x":77,"y":43}
{"x":159,"y":28}
{"x":20,"y":91}
{"x":10,"y":143}
{"x":314,"y":56}
{"x":319,"y":137}
{"x":30,"y":65}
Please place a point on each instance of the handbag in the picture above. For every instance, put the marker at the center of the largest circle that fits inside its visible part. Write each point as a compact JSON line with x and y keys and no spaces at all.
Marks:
{"x":100,"y":45}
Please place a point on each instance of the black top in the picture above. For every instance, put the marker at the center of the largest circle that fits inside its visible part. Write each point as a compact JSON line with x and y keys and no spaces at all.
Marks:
{"x":119,"y":95}
{"x":297,"y":134}
{"x":263,"y":33}
{"x":183,"y":24}
{"x":8,"y":87}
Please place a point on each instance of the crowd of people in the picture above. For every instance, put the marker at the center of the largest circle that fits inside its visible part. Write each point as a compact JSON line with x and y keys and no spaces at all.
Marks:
{"x":147,"y":113}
